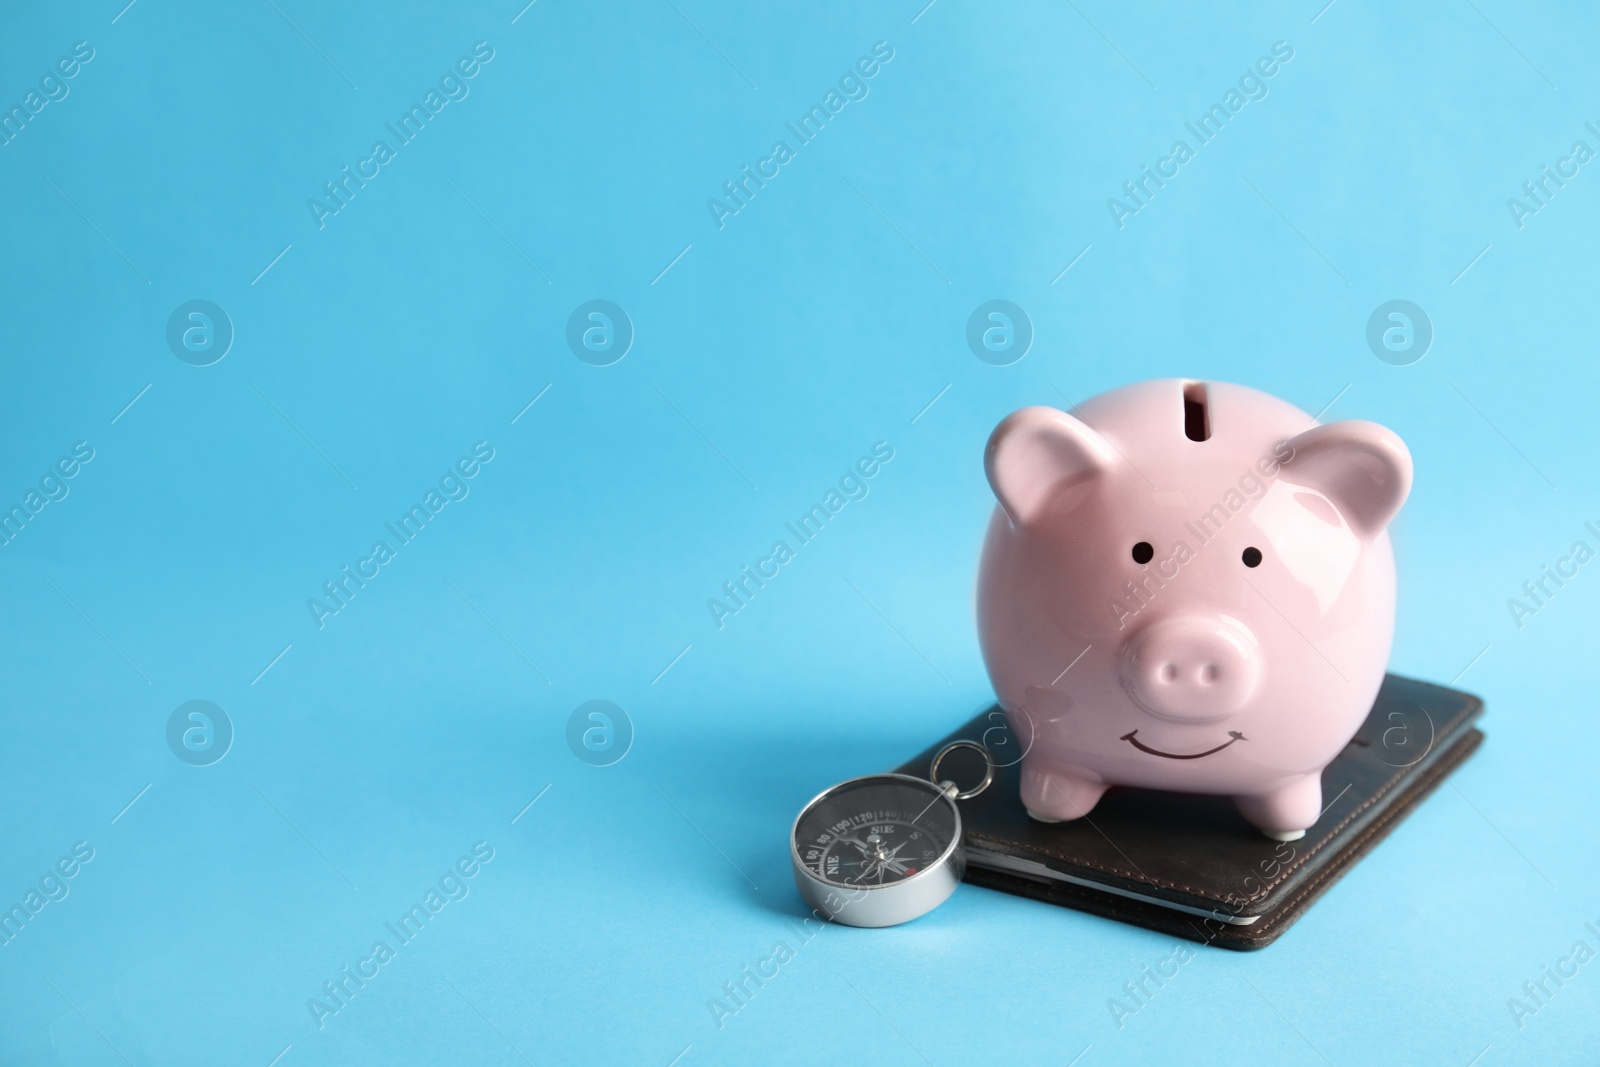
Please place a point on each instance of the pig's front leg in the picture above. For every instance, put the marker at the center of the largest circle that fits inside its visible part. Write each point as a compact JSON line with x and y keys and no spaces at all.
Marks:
{"x":1288,"y":811}
{"x":1056,"y":796}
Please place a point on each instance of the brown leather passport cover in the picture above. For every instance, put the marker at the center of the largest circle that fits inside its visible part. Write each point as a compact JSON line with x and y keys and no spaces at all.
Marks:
{"x":1198,"y":851}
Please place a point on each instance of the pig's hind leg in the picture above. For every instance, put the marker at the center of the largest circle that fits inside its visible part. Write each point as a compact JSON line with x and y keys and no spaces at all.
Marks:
{"x":1056,"y":796}
{"x":1288,"y":811}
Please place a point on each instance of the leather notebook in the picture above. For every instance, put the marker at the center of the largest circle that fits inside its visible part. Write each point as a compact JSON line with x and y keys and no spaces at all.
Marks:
{"x":1191,"y":865}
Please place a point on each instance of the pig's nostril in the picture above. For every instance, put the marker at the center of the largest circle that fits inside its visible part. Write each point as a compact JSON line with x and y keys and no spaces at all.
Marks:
{"x":1191,"y":668}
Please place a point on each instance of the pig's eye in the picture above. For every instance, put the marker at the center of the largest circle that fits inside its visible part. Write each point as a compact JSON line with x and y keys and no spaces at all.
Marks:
{"x":1252,"y":557}
{"x":1143,"y":553}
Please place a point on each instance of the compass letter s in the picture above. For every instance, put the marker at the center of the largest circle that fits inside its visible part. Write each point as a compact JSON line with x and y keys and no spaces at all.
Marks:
{"x":600,"y":736}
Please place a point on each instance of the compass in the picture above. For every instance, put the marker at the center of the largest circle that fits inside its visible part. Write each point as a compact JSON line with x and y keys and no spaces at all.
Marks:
{"x":884,"y":848}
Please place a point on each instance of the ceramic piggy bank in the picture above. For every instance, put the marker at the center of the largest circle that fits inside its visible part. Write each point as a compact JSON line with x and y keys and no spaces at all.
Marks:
{"x":1188,"y":586}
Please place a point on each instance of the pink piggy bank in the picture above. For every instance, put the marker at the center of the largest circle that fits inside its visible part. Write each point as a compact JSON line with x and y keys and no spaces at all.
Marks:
{"x":1188,"y":586}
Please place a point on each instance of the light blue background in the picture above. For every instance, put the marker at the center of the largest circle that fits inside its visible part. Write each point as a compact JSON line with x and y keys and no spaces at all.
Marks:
{"x":824,"y":317}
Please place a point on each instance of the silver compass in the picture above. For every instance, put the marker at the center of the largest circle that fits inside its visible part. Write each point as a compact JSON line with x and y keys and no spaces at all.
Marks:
{"x":885,"y":848}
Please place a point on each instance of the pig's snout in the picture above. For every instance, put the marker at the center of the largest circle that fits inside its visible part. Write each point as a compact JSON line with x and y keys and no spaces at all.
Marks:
{"x":1191,"y":668}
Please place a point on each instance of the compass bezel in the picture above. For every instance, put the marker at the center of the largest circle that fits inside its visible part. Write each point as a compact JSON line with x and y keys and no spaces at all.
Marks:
{"x":892,"y":902}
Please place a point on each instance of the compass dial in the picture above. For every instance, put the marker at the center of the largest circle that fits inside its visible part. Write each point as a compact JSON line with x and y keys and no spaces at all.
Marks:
{"x":875,"y":832}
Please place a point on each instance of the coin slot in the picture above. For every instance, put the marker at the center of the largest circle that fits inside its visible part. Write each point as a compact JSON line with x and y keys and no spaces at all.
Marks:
{"x":1196,"y":417}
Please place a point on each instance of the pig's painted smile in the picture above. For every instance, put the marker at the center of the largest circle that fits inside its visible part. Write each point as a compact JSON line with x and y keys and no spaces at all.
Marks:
{"x":1233,"y":735}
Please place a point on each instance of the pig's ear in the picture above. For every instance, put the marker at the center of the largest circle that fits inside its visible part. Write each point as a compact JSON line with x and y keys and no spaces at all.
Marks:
{"x":1036,"y":452}
{"x":1362,"y":467}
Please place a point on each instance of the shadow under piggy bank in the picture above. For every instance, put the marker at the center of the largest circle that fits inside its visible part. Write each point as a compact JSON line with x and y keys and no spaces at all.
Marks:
{"x":1191,"y":865}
